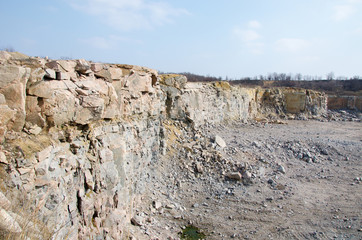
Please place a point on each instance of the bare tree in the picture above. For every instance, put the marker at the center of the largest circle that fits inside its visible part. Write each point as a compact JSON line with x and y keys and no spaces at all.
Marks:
{"x":330,"y":76}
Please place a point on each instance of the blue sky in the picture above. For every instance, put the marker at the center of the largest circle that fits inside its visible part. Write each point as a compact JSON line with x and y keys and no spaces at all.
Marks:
{"x":234,"y":38}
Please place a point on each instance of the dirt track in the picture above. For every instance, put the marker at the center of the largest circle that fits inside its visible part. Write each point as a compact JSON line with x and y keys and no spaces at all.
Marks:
{"x":305,"y":183}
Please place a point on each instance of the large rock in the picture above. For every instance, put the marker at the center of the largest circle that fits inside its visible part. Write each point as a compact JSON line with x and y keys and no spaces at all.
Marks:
{"x":295,"y":101}
{"x":13,"y":81}
{"x":137,"y":82}
{"x":8,"y":223}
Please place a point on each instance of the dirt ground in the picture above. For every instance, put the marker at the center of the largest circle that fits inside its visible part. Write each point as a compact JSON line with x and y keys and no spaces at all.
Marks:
{"x":300,"y":180}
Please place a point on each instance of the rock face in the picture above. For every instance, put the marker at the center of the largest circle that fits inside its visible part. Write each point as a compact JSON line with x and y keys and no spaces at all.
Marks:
{"x":202,"y":103}
{"x":77,"y":137}
{"x":345,"y":102}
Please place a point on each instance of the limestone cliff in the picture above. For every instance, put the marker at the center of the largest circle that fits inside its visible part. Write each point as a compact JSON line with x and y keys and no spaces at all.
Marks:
{"x":77,"y":137}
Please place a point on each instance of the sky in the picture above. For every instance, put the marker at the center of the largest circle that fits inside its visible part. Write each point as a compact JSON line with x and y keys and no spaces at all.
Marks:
{"x":233,"y":38}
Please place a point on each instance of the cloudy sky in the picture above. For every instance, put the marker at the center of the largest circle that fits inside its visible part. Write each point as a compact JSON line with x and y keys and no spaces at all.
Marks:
{"x":234,"y":38}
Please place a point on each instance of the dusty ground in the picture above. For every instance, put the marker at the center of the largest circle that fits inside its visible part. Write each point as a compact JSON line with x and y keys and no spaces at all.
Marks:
{"x":305,"y":183}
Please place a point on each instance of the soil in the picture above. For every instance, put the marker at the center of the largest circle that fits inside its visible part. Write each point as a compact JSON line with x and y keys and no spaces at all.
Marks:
{"x":300,"y":180}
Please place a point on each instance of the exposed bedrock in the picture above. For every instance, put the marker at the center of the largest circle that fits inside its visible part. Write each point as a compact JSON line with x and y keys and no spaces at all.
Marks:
{"x":77,"y":137}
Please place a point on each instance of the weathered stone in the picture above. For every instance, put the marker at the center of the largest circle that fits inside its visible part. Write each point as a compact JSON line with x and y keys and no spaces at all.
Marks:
{"x":89,"y":179}
{"x":256,"y":144}
{"x":173,"y":80}
{"x":47,"y":89}
{"x":247,"y":177}
{"x":3,"y":158}
{"x":67,"y":66}
{"x":44,"y":154}
{"x":116,"y":73}
{"x":295,"y":102}
{"x":53,"y":65}
{"x":4,"y":202}
{"x":36,"y":75}
{"x":13,"y":81}
{"x":234,"y":175}
{"x":138,"y":83}
{"x":220,"y":142}
{"x":157,"y":205}
{"x":82,"y":66}
{"x":105,"y":74}
{"x":62,"y":76}
{"x":137,"y":221}
{"x":106,"y":155}
{"x":7,"y":115}
{"x":281,"y":169}
{"x":4,"y":55}
{"x":50,"y":74}
{"x":8,"y":223}
{"x":35,"y":130}
{"x":199,"y":168}
{"x":96,"y":67}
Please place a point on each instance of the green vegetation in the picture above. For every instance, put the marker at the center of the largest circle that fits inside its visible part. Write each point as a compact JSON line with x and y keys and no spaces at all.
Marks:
{"x":192,"y":233}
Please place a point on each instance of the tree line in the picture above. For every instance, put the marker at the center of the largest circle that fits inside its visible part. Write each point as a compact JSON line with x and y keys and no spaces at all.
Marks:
{"x":329,"y":83}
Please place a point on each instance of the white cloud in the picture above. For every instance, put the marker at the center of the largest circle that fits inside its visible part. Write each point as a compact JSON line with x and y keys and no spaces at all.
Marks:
{"x":254,"y":24}
{"x":291,"y":45}
{"x":250,"y":37}
{"x":129,"y":14}
{"x":342,"y":12}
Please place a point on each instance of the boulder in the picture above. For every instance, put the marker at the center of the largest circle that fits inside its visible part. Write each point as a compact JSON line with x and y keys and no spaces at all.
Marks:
{"x":105,"y":74}
{"x":116,"y":73}
{"x":173,"y":80}
{"x":96,"y":67}
{"x":136,"y":82}
{"x":62,"y":76}
{"x":50,"y":74}
{"x":13,"y":81}
{"x":82,"y":66}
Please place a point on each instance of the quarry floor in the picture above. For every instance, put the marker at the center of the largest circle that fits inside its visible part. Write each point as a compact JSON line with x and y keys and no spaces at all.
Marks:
{"x":306,"y":183}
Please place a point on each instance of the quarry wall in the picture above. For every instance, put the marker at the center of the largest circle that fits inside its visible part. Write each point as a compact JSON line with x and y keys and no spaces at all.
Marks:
{"x":77,"y":137}
{"x":345,"y":102}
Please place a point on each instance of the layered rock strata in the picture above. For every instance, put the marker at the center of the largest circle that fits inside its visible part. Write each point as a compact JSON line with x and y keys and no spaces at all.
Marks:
{"x":77,"y":137}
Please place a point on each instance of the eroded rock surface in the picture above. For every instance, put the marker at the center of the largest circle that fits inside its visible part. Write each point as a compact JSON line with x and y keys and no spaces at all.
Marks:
{"x":82,"y":143}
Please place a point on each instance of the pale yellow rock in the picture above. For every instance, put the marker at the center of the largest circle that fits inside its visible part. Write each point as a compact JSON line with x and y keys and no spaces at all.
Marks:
{"x":47,"y":89}
{"x":295,"y":102}
{"x":138,"y":83}
{"x":4,"y":55}
{"x":44,"y":154}
{"x":3,"y":158}
{"x":67,"y":65}
{"x":116,"y":73}
{"x":96,"y":67}
{"x":8,"y":223}
{"x":13,"y":81}
{"x":4,"y":202}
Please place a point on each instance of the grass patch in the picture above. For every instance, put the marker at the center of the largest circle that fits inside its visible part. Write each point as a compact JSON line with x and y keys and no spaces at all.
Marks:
{"x":192,"y":233}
